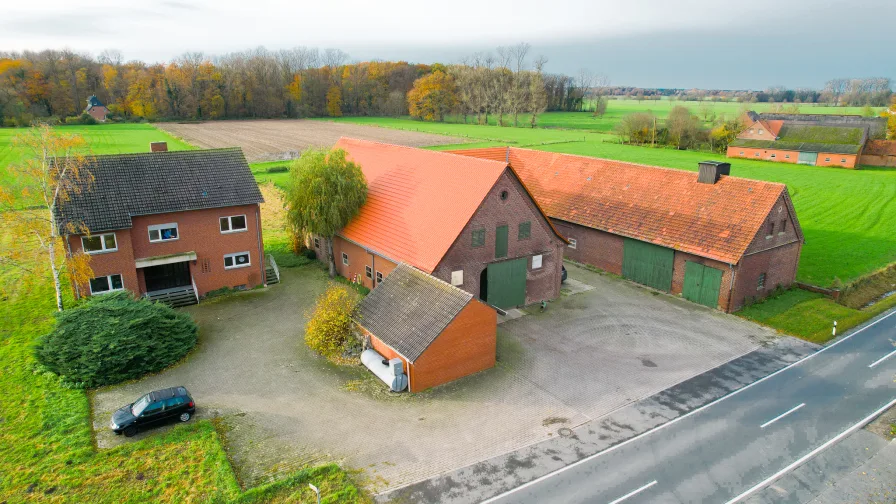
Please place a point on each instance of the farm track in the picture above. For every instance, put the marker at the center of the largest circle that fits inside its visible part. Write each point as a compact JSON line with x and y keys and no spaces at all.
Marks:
{"x":276,"y":139}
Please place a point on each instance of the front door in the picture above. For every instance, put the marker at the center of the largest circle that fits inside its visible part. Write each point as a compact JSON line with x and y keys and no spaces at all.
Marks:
{"x":507,"y":283}
{"x":167,"y":276}
{"x":701,"y":284}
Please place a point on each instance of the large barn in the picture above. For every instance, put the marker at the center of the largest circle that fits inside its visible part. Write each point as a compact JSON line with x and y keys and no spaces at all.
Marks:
{"x":715,"y":239}
{"x":469,"y":222}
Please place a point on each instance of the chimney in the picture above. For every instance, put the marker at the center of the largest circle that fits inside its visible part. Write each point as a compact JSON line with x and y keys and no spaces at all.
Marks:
{"x":711,"y":171}
{"x":158,"y":147}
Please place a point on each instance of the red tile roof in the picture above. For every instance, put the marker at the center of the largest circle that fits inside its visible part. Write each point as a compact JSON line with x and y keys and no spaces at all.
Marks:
{"x":418,"y":201}
{"x":664,"y":206}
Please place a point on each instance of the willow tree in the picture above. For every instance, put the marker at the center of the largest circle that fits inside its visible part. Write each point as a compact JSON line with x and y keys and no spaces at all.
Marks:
{"x":325,"y":192}
{"x":52,"y":170}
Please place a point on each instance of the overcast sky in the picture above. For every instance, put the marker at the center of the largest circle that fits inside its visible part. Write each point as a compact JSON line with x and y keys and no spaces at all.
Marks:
{"x":650,"y":43}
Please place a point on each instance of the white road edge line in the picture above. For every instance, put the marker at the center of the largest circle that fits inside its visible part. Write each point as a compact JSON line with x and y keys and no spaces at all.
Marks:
{"x":814,"y":452}
{"x":773,"y":420}
{"x":885,"y":357}
{"x":634,"y":492}
{"x":675,"y":420}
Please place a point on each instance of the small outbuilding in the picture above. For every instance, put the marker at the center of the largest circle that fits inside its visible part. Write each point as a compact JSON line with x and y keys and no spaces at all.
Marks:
{"x":96,"y":109}
{"x":440,"y":332}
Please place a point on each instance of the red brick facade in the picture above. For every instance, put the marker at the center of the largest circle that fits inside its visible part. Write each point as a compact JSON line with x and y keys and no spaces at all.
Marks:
{"x":199,"y":232}
{"x":770,"y":260}
{"x":99,"y":113}
{"x":785,"y":156}
{"x":466,"y":346}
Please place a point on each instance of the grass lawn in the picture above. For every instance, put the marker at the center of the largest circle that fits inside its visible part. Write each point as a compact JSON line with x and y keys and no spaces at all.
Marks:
{"x":101,"y":138}
{"x":847,"y":215}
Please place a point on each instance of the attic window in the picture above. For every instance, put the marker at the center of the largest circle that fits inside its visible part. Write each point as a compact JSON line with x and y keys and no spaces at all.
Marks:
{"x":478,"y":237}
{"x":760,"y":131}
{"x":503,"y":195}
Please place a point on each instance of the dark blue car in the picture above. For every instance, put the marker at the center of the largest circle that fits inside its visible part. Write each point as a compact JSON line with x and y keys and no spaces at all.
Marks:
{"x":153,"y":409}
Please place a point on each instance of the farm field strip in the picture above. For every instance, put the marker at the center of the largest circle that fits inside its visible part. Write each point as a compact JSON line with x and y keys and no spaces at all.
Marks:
{"x":274,"y":139}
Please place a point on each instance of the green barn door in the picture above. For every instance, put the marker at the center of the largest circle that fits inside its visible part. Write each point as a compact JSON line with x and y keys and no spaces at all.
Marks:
{"x":507,"y":283}
{"x":701,"y":284}
{"x":807,"y":158}
{"x":500,"y":242}
{"x":648,"y":264}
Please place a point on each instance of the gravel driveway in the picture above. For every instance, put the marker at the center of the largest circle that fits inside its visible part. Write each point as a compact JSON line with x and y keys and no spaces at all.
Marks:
{"x":281,"y":407}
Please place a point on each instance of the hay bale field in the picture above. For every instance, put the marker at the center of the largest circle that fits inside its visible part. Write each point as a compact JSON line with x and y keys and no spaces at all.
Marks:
{"x":278,"y":139}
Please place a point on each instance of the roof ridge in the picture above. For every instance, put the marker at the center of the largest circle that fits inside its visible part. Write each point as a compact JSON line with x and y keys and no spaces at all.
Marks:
{"x":116,"y":154}
{"x":447,"y":153}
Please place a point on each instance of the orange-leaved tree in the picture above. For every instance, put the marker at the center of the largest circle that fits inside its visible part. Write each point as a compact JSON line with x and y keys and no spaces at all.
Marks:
{"x":432,"y":96}
{"x":334,"y":102}
{"x":54,"y":168}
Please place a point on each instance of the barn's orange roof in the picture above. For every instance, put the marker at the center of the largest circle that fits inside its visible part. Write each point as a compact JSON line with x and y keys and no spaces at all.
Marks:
{"x":663,"y":206}
{"x":418,"y":201}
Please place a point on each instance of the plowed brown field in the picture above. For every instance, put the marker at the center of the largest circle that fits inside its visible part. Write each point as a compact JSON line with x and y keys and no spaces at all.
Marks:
{"x":273,"y":139}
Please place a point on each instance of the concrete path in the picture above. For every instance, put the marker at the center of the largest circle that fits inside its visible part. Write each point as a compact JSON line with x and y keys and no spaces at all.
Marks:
{"x":734,"y":448}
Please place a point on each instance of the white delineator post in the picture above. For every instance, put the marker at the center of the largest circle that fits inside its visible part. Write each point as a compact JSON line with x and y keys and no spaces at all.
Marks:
{"x":834,"y":330}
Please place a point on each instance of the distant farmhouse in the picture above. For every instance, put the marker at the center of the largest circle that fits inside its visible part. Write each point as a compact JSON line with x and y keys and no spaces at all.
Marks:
{"x":468,"y":222}
{"x":810,"y":139}
{"x":172,"y":226}
{"x":96,"y":109}
{"x":717,"y":240}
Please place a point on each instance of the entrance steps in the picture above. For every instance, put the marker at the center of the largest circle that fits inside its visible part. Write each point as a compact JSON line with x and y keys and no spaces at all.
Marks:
{"x":174,"y":297}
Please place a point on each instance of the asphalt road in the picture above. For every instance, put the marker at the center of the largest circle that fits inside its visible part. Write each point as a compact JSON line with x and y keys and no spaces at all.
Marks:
{"x":728,"y":449}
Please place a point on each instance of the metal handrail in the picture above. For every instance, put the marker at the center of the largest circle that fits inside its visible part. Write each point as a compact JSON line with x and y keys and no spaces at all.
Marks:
{"x":273,"y":264}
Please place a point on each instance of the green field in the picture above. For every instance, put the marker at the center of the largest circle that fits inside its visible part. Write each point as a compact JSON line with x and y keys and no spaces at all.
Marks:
{"x":616,"y":109}
{"x":847,"y":215}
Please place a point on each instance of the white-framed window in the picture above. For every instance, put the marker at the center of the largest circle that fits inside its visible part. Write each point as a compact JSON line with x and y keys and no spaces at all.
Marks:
{"x":760,"y":131}
{"x":536,"y":261}
{"x":233,"y":224}
{"x":105,"y":284}
{"x":786,"y":156}
{"x":741,"y":153}
{"x":237,"y":260}
{"x":774,"y":156}
{"x":368,"y":271}
{"x":457,"y":278}
{"x":751,"y":130}
{"x":163,"y":232}
{"x":379,"y":277}
{"x":97,"y":244}
{"x":827,"y":159}
{"x":757,"y":154}
{"x":572,"y":243}
{"x":842,"y":160}
{"x":345,"y":258}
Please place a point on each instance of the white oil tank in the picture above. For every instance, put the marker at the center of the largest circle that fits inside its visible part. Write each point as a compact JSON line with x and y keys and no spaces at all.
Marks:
{"x":390,"y":371}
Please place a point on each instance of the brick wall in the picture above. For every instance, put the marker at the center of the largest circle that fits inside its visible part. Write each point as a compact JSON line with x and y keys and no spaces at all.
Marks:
{"x":872,"y":160}
{"x":779,"y":266}
{"x":358,"y":259}
{"x":679,"y":268}
{"x":785,"y":156}
{"x":98,"y":113}
{"x":594,"y":247}
{"x":542,"y":283}
{"x":198,"y":231}
{"x":466,"y":346}
{"x":752,"y":132}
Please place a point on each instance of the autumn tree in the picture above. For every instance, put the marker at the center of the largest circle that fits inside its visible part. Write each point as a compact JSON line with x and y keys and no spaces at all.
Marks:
{"x":325,"y":192}
{"x":682,"y":127}
{"x":334,"y":102}
{"x":53,"y":170}
{"x":433,"y":96}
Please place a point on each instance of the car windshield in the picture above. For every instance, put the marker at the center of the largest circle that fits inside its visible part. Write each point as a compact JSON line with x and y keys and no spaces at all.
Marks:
{"x":140,"y":405}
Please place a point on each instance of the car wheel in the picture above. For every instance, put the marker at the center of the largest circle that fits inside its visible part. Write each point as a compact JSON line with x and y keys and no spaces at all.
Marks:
{"x":129,"y":431}
{"x":184,"y":417}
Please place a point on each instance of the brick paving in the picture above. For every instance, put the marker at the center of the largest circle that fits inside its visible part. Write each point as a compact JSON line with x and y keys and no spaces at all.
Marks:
{"x":586,"y":356}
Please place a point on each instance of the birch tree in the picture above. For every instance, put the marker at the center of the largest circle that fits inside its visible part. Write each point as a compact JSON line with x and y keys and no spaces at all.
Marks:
{"x":54,"y":169}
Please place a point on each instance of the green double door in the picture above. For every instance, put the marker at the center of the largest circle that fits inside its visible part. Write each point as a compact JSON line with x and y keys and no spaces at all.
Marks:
{"x":506,"y":286}
{"x":648,"y":264}
{"x":701,"y":284}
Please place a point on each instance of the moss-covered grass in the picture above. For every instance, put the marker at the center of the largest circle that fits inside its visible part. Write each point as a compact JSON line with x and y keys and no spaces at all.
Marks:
{"x":809,"y":315}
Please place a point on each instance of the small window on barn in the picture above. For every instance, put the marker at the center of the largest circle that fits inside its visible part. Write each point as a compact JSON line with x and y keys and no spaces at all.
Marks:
{"x":773,"y":156}
{"x":104,"y":284}
{"x":524,"y":231}
{"x":536,"y":261}
{"x":345,"y":258}
{"x":786,"y":156}
{"x":504,"y":195}
{"x":237,"y":260}
{"x":752,"y":130}
{"x":457,"y":278}
{"x":827,"y":159}
{"x":741,"y":153}
{"x":379,"y":277}
{"x":163,"y":232}
{"x":99,"y":243}
{"x":368,"y":271}
{"x":760,"y":131}
{"x":783,"y":226}
{"x":842,"y":160}
{"x":233,"y":224}
{"x":757,"y":154}
{"x":317,"y":243}
{"x":478,"y":237}
{"x":760,"y":282}
{"x":572,"y":243}
{"x":771,"y":228}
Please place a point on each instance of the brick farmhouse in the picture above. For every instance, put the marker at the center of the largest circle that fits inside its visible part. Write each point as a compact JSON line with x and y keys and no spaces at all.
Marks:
{"x":715,"y":239}
{"x":811,"y":139}
{"x":468,"y":222}
{"x":440,"y":332}
{"x":171,"y":225}
{"x":96,"y":109}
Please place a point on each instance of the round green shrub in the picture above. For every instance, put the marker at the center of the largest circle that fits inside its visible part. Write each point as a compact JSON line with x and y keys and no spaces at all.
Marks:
{"x":114,"y":337}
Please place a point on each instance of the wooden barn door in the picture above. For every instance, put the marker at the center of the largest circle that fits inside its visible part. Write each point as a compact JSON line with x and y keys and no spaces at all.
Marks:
{"x":507,"y":283}
{"x":648,"y":264}
{"x":701,"y":284}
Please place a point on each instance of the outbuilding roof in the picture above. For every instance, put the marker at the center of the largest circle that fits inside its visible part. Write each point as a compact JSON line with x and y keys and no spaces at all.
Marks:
{"x":128,"y":185}
{"x":418,"y":201}
{"x":664,"y":206}
{"x":93,"y":101}
{"x":410,"y":309}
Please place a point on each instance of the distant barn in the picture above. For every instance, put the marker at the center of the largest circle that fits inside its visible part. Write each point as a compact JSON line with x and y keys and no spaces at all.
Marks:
{"x":96,"y":109}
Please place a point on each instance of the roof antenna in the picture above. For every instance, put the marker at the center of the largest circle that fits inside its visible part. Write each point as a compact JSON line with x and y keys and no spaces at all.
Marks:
{"x":507,"y":156}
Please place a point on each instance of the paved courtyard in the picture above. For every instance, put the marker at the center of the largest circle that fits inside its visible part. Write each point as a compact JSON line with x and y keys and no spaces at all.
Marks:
{"x":281,"y":407}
